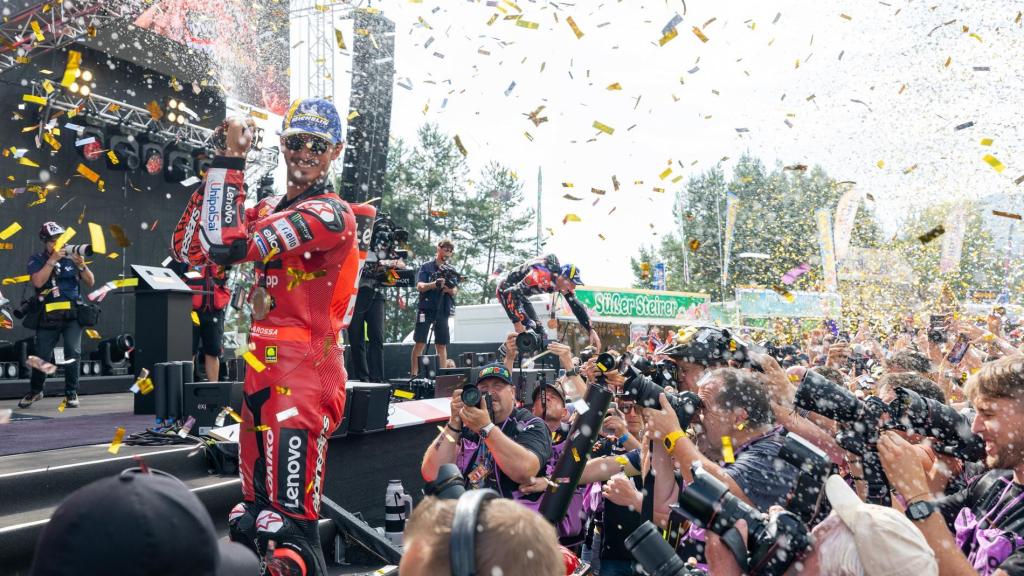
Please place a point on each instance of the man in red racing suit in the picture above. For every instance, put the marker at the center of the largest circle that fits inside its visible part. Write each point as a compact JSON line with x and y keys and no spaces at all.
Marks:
{"x":307,"y":259}
{"x":541,"y":275}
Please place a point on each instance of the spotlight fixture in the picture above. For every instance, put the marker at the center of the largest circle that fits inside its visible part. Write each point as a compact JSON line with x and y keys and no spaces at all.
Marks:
{"x":86,"y":76}
{"x":126,"y":150}
{"x":204,"y":159}
{"x":178,"y":163}
{"x":92,"y":140}
{"x":152,"y":154}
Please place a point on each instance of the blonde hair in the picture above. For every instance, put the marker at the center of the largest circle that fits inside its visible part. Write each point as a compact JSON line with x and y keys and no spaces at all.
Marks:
{"x":510,"y":538}
{"x":1003,"y":378}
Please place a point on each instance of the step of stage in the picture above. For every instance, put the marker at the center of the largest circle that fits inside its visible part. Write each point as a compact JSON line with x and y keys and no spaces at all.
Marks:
{"x":16,"y":388}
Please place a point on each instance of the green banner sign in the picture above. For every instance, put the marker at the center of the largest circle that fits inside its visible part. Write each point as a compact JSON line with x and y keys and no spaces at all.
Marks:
{"x":660,"y":304}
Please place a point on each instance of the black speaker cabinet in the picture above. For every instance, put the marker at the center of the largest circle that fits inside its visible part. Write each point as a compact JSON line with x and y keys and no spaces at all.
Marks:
{"x":366,"y":408}
{"x":204,"y":400}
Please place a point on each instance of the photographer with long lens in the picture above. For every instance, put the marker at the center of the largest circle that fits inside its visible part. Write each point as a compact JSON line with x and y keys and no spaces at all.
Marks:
{"x":542,"y":275}
{"x":857,"y":539}
{"x":981,"y":528}
{"x":437,"y":284}
{"x":54,"y":310}
{"x":366,"y":331}
{"x":494,"y":444}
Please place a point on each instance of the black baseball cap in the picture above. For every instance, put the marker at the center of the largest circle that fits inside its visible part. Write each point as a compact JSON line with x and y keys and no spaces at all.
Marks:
{"x":142,"y":524}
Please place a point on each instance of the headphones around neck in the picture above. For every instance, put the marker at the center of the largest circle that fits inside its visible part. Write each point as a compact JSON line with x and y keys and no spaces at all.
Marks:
{"x":463,"y":543}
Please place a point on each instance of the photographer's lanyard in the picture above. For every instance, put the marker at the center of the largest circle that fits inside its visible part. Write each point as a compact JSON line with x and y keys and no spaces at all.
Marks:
{"x":262,"y":302}
{"x":485,"y":464}
{"x":773,"y":432}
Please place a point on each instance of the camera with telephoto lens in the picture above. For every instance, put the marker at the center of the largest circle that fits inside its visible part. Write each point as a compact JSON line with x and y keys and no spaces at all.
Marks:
{"x":928,"y":417}
{"x":814,"y":465}
{"x":642,"y":389}
{"x":773,"y":542}
{"x":448,"y":485}
{"x":25,"y":307}
{"x":663,"y":373}
{"x":78,"y":250}
{"x":658,"y":558}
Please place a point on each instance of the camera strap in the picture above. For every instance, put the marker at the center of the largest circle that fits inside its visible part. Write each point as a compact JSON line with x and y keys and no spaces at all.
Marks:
{"x":733,"y":540}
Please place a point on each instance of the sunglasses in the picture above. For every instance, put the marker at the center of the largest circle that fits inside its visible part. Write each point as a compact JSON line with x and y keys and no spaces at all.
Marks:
{"x":627,"y":408}
{"x":315,"y":144}
{"x":447,"y":249}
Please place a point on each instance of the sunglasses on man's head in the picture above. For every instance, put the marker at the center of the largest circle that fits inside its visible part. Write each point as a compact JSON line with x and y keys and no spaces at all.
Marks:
{"x":316,"y":144}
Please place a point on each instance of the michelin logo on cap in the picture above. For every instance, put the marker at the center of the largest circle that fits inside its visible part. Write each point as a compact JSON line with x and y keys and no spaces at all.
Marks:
{"x":316,"y":116}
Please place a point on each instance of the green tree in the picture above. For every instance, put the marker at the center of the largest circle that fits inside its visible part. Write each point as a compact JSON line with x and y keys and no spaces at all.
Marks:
{"x":775,"y":217}
{"x":980,"y":263}
{"x":643,"y":268}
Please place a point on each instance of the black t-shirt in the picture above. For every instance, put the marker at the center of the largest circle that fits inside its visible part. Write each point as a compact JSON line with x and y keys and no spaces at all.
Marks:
{"x":428,"y":300}
{"x":988,"y":497}
{"x":618,"y":522}
{"x":524,"y":429}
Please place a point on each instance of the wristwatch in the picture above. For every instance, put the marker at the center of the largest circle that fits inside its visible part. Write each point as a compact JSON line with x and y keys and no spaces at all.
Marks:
{"x":486,"y":430}
{"x":671,"y":439}
{"x":920,"y":510}
{"x":574,"y":372}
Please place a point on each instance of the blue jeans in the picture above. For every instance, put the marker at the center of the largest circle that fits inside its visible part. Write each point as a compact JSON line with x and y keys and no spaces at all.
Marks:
{"x":46,"y":341}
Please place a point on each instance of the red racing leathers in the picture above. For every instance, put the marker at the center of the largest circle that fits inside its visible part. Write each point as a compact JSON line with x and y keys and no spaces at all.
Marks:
{"x":307,"y":259}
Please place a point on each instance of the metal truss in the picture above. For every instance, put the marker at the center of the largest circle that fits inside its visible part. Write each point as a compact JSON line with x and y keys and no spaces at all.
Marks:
{"x":114,"y":113}
{"x":51,"y":25}
{"x":321,"y":40}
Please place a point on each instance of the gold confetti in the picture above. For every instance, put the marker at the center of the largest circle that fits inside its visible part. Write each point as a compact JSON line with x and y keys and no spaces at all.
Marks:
{"x":154,"y":110}
{"x":352,"y":115}
{"x":615,"y":183}
{"x":492,"y":19}
{"x":404,"y":394}
{"x":112,"y":157}
{"x":119,"y":235}
{"x":195,"y":318}
{"x":844,"y":16}
{"x":33,"y":99}
{"x":575,"y":29}
{"x":975,"y":36}
{"x":615,"y":86}
{"x":700,"y":34}
{"x":340,"y":39}
{"x":99,"y":241}
{"x":994,"y":162}
{"x":92,"y":333}
{"x":37,"y":31}
{"x":458,"y":144}
{"x":986,"y":142}
{"x":880,"y":164}
{"x":88,"y":173}
{"x":668,"y":36}
{"x":910,"y":169}
{"x":63,"y":405}
{"x":115,"y":443}
{"x":525,"y":24}
{"x":299,"y":276}
{"x":234,"y":415}
{"x":949,"y":61}
{"x":145,"y":386}
{"x":254,"y":362}
{"x":665,"y":173}
{"x":126,"y":282}
{"x":727,"y":455}
{"x":14,"y":280}
{"x":604,"y":128}
{"x":24,"y":161}
{"x":71,"y":68}
{"x":10,"y":231}
{"x":1006,"y":214}
{"x":63,"y":239}
{"x":786,"y":294}
{"x":694,"y":244}
{"x":601,"y":236}
{"x":571,"y":218}
{"x":283,"y":390}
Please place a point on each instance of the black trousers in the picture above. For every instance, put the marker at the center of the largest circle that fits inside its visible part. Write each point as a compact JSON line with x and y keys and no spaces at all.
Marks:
{"x":366,"y":363}
{"x":46,"y":341}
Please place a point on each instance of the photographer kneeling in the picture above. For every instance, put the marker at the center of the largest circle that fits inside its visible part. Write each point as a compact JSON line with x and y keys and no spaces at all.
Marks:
{"x":494,"y":444}
{"x":54,"y":312}
{"x":437,"y":302}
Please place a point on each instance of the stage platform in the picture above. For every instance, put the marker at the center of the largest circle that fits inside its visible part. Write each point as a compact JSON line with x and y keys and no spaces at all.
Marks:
{"x":15,"y":389}
{"x":61,"y":452}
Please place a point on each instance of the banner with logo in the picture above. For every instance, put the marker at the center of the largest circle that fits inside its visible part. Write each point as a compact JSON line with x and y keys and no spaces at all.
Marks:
{"x":648,"y":306}
{"x":846,"y":216}
{"x":953,"y":241}
{"x":732,"y":206}
{"x":827,"y":248}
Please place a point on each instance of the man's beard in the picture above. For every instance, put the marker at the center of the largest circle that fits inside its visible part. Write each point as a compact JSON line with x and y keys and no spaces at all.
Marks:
{"x":1006,"y":457}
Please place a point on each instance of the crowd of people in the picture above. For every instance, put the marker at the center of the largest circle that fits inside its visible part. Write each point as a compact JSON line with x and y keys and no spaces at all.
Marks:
{"x":917,"y":430}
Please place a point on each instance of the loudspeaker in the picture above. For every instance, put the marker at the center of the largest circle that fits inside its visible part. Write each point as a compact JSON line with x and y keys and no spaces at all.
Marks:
{"x":366,"y":407}
{"x":468,"y":359}
{"x":428,"y":366}
{"x":235,"y":370}
{"x":485,"y":358}
{"x":204,"y":400}
{"x":174,"y":383}
{"x":159,"y":376}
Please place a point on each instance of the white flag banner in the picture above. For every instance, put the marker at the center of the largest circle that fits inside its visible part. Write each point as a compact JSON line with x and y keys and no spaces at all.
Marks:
{"x":846,"y":216}
{"x":953,"y":241}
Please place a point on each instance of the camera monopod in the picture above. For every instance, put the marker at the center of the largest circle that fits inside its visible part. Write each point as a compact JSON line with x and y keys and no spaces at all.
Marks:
{"x":569,"y":468}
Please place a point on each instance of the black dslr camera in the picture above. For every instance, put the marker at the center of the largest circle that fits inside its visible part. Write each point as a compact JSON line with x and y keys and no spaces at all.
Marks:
{"x":450,"y":275}
{"x":531,"y":341}
{"x":644,"y":391}
{"x":914,"y":413}
{"x":773,"y":542}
